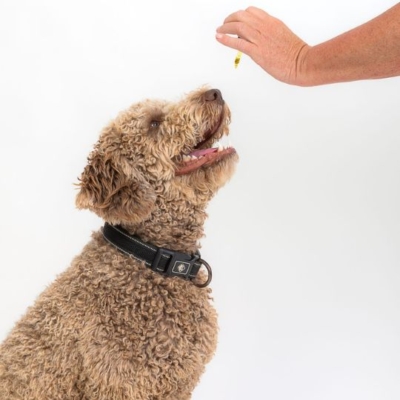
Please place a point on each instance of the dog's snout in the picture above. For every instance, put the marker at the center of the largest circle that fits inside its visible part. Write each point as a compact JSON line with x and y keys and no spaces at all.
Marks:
{"x":214,"y":95}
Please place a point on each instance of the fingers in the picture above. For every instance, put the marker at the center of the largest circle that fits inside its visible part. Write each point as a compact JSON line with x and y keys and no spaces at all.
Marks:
{"x":252,"y":17}
{"x":249,"y":25}
{"x":243,"y":25}
{"x":240,"y":23}
{"x":236,"y":43}
{"x":258,"y":12}
{"x":246,"y":15}
{"x":241,"y":30}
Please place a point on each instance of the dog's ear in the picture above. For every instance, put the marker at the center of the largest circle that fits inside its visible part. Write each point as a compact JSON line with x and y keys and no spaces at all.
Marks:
{"x":114,"y":190}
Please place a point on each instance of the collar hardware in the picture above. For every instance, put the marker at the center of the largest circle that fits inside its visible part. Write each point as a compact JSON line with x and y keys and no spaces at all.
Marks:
{"x":163,"y":261}
{"x":177,"y":263}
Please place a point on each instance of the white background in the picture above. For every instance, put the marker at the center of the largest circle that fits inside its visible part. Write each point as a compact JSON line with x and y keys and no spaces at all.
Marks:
{"x":305,"y":239}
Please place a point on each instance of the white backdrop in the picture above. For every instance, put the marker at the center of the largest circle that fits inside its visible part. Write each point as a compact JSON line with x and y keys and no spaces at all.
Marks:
{"x":305,"y":239}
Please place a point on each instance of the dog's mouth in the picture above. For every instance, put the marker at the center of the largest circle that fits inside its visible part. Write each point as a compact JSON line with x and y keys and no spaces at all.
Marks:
{"x":211,"y":149}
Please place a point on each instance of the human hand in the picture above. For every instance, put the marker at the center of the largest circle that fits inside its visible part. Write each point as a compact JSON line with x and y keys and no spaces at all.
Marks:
{"x":268,"y":41}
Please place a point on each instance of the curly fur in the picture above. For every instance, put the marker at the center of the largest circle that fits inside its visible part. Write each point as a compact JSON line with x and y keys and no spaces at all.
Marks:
{"x":109,"y":328}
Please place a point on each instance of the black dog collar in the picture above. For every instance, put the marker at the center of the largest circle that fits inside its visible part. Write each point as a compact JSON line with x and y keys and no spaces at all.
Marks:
{"x":164,"y":261}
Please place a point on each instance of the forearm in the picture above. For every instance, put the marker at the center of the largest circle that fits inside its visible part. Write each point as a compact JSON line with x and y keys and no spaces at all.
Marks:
{"x":369,"y":51}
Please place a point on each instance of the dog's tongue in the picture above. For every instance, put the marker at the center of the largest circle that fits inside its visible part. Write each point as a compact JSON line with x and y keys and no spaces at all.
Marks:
{"x":203,"y":152}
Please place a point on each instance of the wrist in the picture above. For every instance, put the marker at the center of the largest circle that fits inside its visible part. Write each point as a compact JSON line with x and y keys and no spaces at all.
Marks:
{"x":307,"y":73}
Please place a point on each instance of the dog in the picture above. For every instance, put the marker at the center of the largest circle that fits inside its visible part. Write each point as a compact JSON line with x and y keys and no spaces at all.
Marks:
{"x":132,"y":317}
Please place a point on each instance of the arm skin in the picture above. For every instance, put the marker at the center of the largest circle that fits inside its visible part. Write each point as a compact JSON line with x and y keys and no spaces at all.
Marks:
{"x":369,"y":51}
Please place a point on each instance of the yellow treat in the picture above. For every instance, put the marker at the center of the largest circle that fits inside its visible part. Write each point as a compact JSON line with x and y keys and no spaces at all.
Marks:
{"x":237,"y":59}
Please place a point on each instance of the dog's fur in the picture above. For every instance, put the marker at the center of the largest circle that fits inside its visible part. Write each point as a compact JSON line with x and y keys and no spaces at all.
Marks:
{"x":109,"y":328}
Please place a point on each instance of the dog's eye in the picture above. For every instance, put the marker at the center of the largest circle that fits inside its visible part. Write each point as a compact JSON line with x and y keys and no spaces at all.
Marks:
{"x":155,"y":124}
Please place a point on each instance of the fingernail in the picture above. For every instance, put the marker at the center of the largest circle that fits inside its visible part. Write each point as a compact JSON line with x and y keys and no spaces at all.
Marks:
{"x":219,"y":35}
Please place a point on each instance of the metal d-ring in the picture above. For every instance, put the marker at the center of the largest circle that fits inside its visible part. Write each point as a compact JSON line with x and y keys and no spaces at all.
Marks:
{"x":209,"y":272}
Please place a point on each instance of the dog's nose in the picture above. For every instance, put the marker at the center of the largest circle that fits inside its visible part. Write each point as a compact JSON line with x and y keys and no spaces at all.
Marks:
{"x":214,"y":95}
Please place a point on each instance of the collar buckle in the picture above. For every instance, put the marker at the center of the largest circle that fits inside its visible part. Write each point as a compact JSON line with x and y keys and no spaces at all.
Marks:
{"x":173,"y":263}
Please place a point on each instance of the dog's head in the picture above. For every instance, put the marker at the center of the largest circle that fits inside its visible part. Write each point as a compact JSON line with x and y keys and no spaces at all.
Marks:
{"x":157,"y":150}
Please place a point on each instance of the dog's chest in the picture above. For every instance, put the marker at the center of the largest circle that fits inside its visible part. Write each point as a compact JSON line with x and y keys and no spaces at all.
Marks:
{"x":148,"y":318}
{"x":159,"y":320}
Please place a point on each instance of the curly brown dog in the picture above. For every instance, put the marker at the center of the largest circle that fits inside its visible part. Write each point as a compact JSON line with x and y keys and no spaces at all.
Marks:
{"x":130,"y":318}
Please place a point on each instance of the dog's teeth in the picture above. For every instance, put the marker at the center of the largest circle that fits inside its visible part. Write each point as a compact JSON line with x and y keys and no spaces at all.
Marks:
{"x":186,"y":158}
{"x":222,"y":144}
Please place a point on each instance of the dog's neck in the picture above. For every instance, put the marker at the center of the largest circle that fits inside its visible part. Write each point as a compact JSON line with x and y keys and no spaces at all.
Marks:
{"x":173,"y":226}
